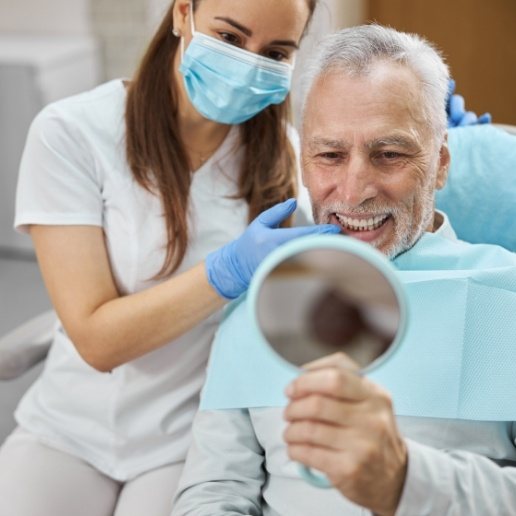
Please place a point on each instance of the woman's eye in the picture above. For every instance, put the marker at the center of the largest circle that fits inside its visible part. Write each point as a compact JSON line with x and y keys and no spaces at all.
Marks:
{"x":277,"y":55}
{"x":230,"y":38}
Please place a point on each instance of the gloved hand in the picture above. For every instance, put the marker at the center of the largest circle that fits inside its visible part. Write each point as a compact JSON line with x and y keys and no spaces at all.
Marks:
{"x":457,"y":114}
{"x":230,"y":268}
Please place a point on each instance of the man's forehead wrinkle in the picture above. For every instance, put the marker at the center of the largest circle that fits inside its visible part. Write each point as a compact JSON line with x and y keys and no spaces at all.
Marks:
{"x":321,"y":141}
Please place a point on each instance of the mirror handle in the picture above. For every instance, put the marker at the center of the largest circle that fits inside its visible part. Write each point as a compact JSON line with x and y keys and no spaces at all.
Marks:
{"x":316,"y":479}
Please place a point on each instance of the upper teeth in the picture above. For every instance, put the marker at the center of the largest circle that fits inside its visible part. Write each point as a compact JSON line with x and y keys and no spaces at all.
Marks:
{"x":362,"y":224}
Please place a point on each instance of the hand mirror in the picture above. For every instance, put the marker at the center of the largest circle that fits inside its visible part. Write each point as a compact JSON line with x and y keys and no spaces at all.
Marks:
{"x":319,"y":295}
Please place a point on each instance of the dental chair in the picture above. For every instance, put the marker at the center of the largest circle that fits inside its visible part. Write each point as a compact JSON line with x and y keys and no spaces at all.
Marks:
{"x":26,"y":345}
{"x":479,"y":198}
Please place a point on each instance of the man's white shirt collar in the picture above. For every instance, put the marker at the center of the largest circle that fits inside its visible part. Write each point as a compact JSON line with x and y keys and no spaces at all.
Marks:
{"x":445,"y":229}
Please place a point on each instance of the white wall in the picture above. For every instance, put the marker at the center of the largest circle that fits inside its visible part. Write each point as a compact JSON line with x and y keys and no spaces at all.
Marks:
{"x":330,"y":15}
{"x":46,"y":52}
{"x":45,"y":16}
{"x":125,"y":26}
{"x":155,"y":11}
{"x":348,"y":13}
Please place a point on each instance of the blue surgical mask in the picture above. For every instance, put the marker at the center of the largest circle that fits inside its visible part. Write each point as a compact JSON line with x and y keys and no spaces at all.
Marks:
{"x":228,"y":84}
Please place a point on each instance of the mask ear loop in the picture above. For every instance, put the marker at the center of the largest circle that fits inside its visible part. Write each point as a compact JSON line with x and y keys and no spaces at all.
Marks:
{"x":182,"y":47}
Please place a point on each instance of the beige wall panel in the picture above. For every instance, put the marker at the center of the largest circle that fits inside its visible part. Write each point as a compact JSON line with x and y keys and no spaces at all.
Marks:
{"x":478,"y":38}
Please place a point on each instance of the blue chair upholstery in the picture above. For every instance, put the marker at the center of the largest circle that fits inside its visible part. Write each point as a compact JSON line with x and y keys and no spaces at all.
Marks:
{"x":480,"y":195}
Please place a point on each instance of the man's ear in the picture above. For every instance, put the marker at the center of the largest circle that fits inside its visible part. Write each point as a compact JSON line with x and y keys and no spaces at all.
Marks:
{"x":180,"y":15}
{"x":444,"y":164}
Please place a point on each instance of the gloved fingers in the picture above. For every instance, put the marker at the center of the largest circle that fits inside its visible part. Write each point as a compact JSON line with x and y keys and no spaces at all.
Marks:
{"x":456,"y":109}
{"x":469,"y":118}
{"x":484,"y":119}
{"x":285,"y":234}
{"x":451,"y":88}
{"x":274,"y":216}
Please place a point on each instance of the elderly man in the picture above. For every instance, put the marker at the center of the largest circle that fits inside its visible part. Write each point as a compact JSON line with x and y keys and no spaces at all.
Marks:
{"x":374,"y":150}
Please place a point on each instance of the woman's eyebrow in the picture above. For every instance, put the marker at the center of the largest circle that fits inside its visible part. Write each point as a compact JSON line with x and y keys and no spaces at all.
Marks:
{"x":248,"y":32}
{"x":285,"y":43}
{"x":241,"y":28}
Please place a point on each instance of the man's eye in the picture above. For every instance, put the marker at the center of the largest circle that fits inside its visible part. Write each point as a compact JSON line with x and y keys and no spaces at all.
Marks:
{"x":330,"y":155}
{"x":391,"y":155}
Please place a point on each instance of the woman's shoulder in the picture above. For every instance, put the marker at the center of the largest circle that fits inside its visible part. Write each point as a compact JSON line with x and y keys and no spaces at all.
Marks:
{"x":92,"y":100}
{"x":93,"y":113}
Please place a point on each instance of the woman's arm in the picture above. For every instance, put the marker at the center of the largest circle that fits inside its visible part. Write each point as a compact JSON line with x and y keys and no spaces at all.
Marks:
{"x":109,"y":329}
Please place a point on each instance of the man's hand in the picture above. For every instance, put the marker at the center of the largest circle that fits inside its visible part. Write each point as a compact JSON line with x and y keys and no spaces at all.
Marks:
{"x":343,"y":425}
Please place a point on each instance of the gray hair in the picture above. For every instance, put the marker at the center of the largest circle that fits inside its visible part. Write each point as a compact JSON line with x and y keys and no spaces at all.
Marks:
{"x":355,"y":50}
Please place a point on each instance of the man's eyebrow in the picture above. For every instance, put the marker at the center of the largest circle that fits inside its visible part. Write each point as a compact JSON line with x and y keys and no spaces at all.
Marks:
{"x":318,"y":141}
{"x":248,"y":32}
{"x":241,"y":28}
{"x":398,"y":140}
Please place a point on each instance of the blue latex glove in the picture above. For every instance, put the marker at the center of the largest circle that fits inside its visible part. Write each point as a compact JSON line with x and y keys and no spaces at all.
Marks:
{"x":230,"y":268}
{"x":456,"y":110}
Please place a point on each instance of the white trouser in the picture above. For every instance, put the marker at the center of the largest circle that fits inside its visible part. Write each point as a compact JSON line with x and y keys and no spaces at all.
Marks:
{"x":37,"y":480}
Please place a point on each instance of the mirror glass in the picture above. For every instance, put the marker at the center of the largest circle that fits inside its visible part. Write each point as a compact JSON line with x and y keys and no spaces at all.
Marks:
{"x":323,"y":300}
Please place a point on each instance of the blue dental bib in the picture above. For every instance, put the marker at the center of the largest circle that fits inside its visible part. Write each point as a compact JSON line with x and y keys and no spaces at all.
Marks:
{"x":457,"y":359}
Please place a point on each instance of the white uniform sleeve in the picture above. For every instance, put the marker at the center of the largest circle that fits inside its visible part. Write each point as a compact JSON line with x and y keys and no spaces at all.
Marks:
{"x":303,"y":215}
{"x":455,"y":483}
{"x":224,"y":470}
{"x":57,"y":183}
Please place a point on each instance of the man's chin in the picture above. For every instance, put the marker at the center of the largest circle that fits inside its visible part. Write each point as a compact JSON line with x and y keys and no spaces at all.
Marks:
{"x":396,"y":250}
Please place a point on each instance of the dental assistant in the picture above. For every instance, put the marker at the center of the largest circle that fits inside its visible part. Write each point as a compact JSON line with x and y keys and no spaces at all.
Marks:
{"x":138,"y":195}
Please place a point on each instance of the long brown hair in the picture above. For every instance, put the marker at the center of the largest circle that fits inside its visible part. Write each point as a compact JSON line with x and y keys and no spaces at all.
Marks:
{"x":158,"y":160}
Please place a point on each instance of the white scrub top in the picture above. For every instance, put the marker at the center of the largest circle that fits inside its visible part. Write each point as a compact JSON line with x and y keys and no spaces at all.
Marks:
{"x":74,"y":171}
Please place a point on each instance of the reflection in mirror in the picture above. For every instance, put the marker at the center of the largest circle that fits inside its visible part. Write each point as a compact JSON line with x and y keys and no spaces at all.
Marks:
{"x":323,"y":300}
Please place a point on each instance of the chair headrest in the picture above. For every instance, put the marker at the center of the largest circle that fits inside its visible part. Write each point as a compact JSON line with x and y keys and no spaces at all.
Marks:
{"x":480,"y":195}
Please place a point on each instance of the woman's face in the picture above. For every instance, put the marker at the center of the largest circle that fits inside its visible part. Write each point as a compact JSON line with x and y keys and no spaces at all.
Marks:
{"x":271,"y":28}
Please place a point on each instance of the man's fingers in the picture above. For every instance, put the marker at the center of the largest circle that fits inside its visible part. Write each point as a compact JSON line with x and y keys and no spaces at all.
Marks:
{"x":324,"y":409}
{"x":336,"y":465}
{"x":336,"y":382}
{"x":314,"y":433}
{"x":334,"y":360}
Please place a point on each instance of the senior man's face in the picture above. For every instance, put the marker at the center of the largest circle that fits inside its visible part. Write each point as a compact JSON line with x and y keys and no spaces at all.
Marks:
{"x":369,"y":160}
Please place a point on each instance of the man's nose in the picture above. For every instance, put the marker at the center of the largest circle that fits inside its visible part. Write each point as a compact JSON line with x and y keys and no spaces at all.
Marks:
{"x":357,"y":181}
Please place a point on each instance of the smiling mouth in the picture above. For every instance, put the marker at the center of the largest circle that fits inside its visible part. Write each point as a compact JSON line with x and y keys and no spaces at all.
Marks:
{"x":361,"y":225}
